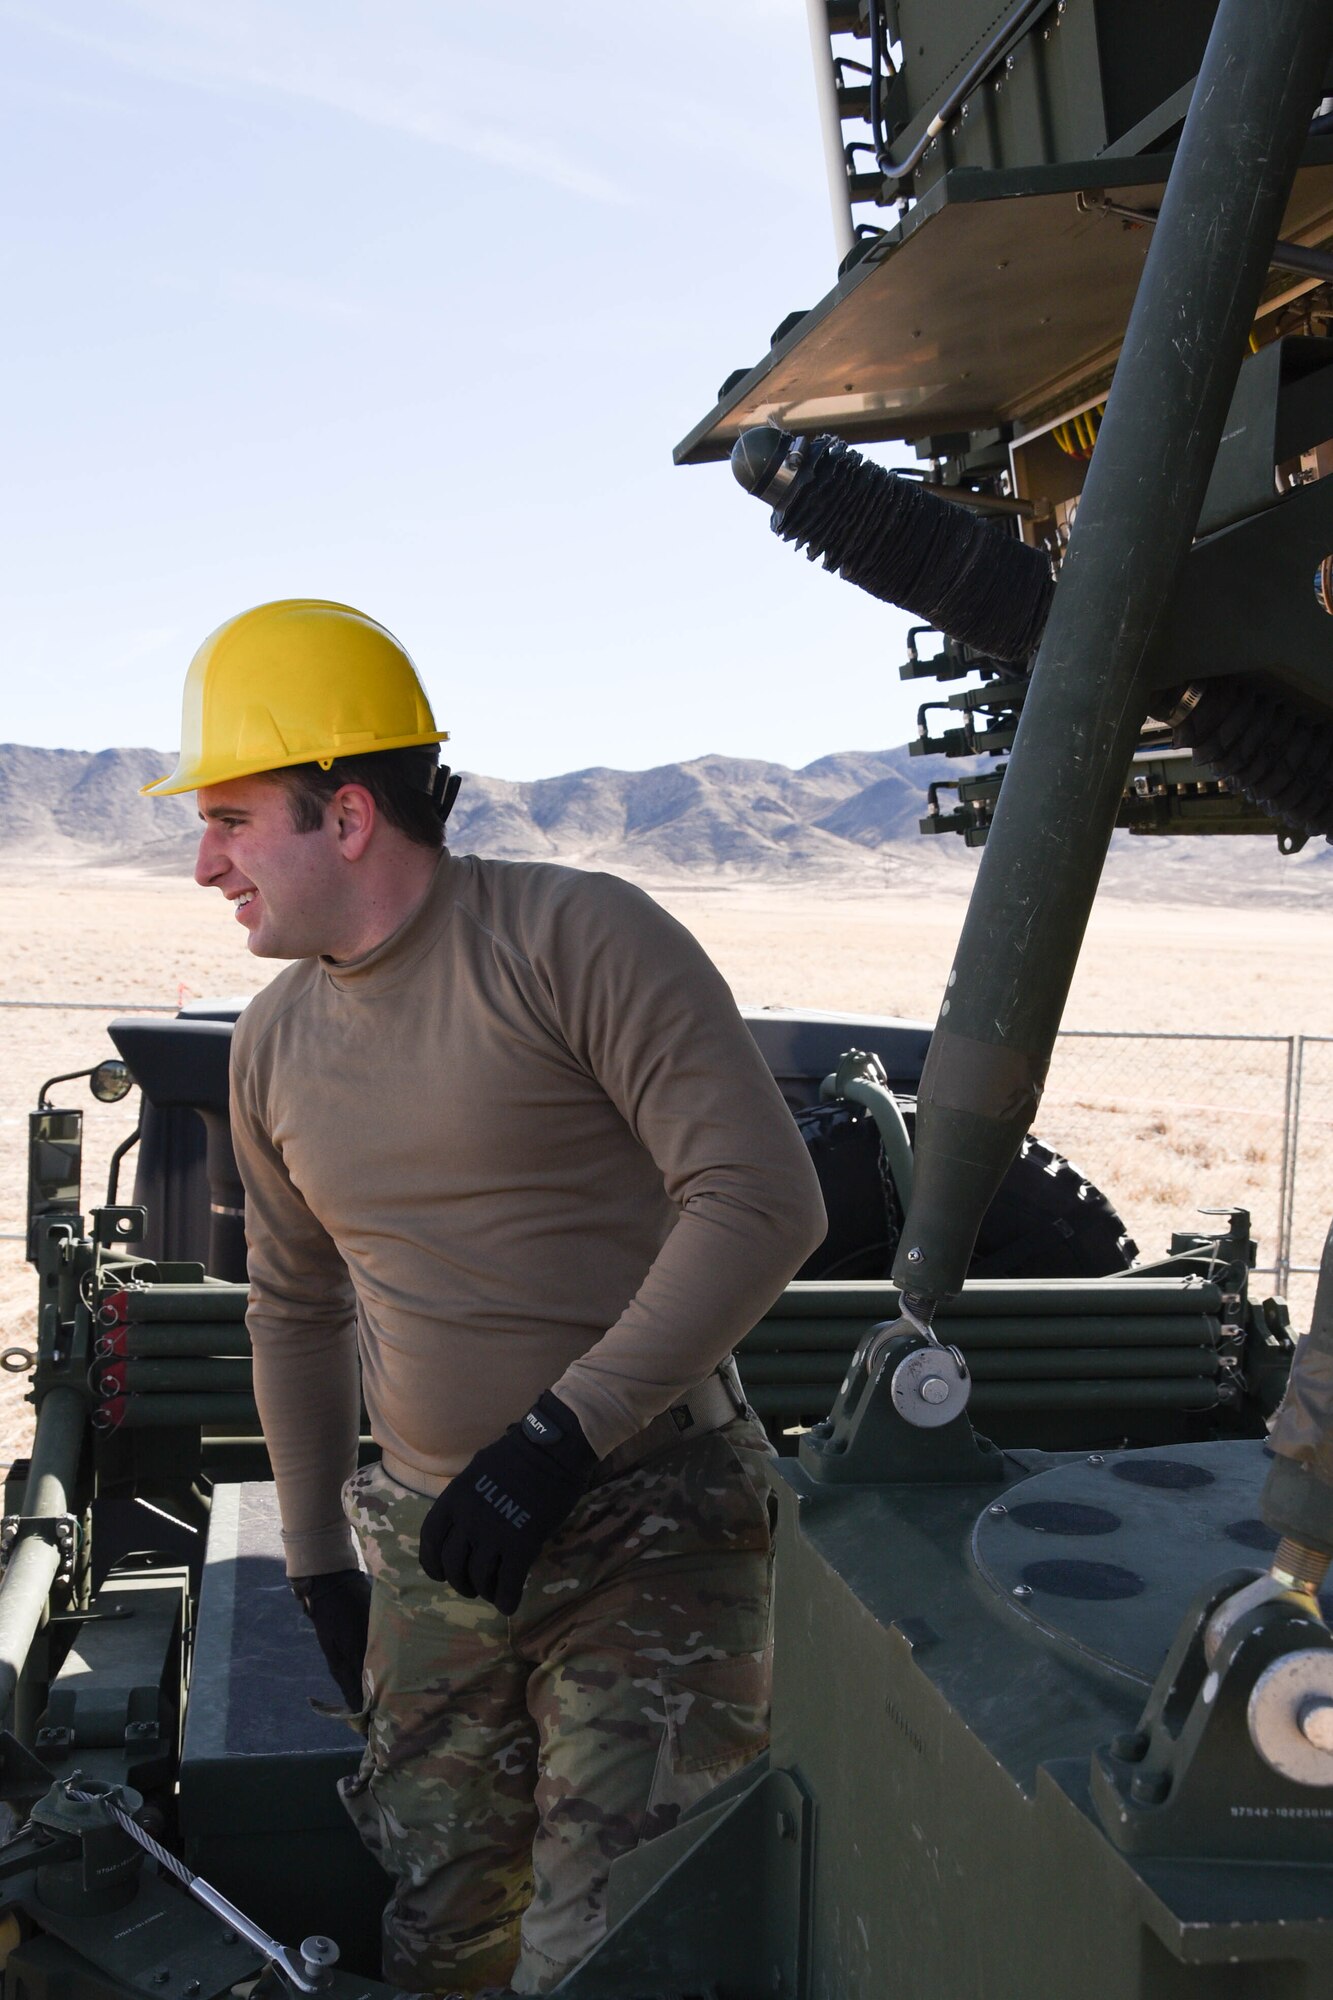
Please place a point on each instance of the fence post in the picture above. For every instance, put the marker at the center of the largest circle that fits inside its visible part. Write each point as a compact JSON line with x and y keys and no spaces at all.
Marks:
{"x":1292,"y":1149}
{"x":1286,"y":1183}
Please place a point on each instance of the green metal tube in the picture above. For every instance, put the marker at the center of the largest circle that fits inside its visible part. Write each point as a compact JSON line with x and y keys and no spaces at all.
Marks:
{"x":215,"y":1376}
{"x":1016,"y":1298}
{"x":1095,"y":670}
{"x":24,"y":1591}
{"x":1090,"y":1364}
{"x":179,"y":1340}
{"x":148,"y":1413}
{"x":797,"y":1400}
{"x":818,"y":1336}
{"x":805,"y":1336}
{"x":34,"y":1561}
{"x":53,"y":1465}
{"x":186,"y":1303}
{"x":1037,"y":1365}
{"x":1181,"y":1393}
{"x":762,"y":1370}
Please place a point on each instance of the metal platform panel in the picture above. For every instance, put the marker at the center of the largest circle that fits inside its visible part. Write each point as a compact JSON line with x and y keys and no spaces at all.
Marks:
{"x":991,"y":301}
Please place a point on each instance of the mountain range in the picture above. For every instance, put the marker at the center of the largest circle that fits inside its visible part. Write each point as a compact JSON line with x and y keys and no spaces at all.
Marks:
{"x":849,"y":817}
{"x":737,"y":815}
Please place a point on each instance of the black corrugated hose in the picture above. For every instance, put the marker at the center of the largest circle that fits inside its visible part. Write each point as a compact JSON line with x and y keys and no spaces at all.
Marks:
{"x":989,"y":591}
{"x":932,"y":557}
{"x":1277,"y":753}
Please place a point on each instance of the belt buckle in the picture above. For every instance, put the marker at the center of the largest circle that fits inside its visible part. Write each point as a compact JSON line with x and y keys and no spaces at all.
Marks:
{"x":729,"y":1375}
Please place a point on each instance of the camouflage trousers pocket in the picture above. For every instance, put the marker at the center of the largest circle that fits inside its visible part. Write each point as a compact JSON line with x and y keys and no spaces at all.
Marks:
{"x":716,"y":1723}
{"x":451,"y":1923}
{"x":359,"y":1803}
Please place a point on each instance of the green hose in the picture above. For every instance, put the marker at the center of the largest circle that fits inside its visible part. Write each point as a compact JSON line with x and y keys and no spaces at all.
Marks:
{"x":860,"y":1079}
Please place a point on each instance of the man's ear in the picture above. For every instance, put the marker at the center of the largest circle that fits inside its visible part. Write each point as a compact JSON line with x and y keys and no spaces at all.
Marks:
{"x":353,"y":815}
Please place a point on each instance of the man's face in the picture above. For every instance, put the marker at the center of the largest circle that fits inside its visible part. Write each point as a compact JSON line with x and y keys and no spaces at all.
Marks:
{"x":283,"y":885}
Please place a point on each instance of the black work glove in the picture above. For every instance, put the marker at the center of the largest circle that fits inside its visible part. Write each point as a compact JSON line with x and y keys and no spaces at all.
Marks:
{"x":337,"y":1603}
{"x":484,"y":1532}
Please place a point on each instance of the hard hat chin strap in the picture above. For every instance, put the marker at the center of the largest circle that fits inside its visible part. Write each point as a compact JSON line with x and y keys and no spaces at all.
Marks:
{"x":443,"y":790}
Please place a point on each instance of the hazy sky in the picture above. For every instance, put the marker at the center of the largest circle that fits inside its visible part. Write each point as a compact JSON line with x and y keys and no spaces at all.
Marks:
{"x":405,"y":302}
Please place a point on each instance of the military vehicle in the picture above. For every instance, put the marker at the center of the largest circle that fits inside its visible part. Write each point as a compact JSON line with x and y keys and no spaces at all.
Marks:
{"x":1043,"y":1725}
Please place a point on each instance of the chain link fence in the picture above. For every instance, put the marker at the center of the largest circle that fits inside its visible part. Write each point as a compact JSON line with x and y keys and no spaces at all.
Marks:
{"x":1168,"y":1125}
{"x":1310,"y":1166}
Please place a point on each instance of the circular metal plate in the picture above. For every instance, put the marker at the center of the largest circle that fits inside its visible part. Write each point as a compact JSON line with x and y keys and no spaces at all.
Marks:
{"x":929,"y":1388}
{"x":1276,"y":1702}
{"x":1104,"y":1553}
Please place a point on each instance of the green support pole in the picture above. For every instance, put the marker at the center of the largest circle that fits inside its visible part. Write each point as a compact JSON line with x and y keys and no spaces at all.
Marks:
{"x":35,"y":1559}
{"x":1220,"y":216}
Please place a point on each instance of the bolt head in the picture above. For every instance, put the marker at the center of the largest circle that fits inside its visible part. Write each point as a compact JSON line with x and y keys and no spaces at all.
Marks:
{"x":1095,"y":1458}
{"x":915,"y":1256}
{"x":998,"y":1509}
{"x":934,"y":1390}
{"x":1316,"y":1721}
{"x":1022,"y":1590}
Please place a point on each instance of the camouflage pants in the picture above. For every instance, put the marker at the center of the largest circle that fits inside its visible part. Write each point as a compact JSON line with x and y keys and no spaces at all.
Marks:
{"x":510,"y":1760}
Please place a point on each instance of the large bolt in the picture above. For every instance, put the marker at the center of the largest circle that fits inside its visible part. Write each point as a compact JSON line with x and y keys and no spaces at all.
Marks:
{"x":319,"y":1955}
{"x":934,"y":1390}
{"x":1315,"y":1721}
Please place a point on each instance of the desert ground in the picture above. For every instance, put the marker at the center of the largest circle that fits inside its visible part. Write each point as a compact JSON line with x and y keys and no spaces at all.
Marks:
{"x":1163,"y":1127}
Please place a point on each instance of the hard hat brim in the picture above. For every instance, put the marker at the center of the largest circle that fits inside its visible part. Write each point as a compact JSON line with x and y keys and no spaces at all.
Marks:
{"x":194,"y":777}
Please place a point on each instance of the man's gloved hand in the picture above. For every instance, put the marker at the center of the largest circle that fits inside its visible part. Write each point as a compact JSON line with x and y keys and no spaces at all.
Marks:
{"x":484,"y":1532}
{"x":337,"y":1603}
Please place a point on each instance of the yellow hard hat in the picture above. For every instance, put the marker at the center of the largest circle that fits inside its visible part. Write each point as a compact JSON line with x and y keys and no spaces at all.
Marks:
{"x":300,"y":681}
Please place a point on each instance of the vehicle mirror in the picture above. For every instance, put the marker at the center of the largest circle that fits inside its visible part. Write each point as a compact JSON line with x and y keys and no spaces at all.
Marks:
{"x":55,"y":1150}
{"x":110,"y":1081}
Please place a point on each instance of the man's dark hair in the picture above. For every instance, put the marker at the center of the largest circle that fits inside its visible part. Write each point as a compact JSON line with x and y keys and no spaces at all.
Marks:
{"x":398,"y":780}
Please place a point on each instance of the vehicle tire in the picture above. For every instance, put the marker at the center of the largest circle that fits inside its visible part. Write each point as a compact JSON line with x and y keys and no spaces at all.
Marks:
{"x":1047,"y":1220}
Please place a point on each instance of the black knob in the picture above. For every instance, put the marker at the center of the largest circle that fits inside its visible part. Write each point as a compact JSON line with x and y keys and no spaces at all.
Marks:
{"x":757,"y":456}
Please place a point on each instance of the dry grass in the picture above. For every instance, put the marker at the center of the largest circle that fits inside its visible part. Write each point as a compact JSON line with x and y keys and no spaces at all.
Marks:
{"x":1163,"y":1127}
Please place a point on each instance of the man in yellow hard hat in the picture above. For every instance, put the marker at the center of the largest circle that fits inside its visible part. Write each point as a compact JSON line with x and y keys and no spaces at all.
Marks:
{"x":516,"y":1173}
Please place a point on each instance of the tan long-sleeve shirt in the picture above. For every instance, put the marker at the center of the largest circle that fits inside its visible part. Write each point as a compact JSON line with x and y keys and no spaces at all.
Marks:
{"x":525,"y":1143}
